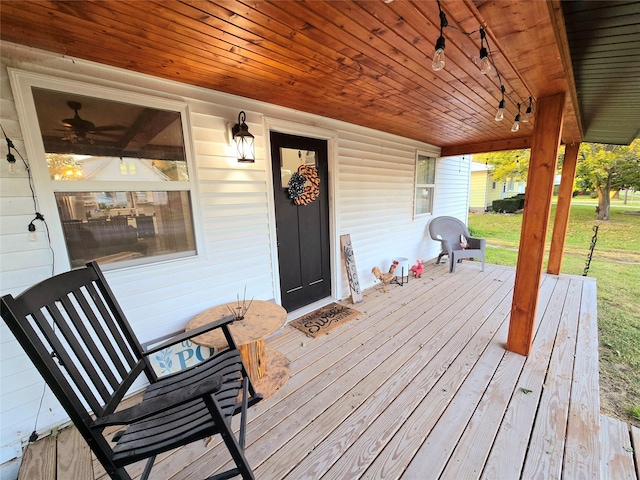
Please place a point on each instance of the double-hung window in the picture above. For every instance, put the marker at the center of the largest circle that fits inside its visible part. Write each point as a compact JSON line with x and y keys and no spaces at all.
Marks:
{"x":116,"y":171}
{"x":425,"y":184}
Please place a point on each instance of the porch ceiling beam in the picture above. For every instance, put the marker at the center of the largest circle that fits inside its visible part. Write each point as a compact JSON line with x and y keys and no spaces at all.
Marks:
{"x":537,"y":207}
{"x":520,"y":143}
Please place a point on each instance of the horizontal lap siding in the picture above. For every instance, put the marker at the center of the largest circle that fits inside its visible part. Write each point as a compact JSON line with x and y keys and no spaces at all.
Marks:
{"x":478,"y":190}
{"x":376,"y":197}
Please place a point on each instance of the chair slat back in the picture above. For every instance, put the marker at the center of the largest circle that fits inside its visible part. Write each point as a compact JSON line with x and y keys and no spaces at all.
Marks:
{"x":76,"y":334}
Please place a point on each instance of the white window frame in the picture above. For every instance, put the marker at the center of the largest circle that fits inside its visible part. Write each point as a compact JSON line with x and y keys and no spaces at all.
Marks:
{"x":22,"y":83}
{"x":417,"y":185}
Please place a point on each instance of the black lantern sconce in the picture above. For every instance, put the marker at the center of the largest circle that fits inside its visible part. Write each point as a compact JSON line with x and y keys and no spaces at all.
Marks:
{"x":243,"y":140}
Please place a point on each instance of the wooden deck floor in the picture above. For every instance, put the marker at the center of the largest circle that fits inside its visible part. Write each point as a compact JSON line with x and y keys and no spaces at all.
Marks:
{"x":420,"y":387}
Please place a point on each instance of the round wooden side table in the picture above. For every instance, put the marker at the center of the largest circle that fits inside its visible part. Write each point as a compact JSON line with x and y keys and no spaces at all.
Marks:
{"x":267,"y":368}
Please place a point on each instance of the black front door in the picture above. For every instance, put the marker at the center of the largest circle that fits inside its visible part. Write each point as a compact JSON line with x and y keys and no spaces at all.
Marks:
{"x":302,"y":218}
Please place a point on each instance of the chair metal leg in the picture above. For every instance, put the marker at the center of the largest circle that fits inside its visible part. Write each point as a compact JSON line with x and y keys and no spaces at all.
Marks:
{"x":237,"y":453}
{"x":147,"y":468}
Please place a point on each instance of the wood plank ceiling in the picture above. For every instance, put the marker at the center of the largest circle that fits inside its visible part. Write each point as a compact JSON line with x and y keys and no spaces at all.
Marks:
{"x":363,"y":62}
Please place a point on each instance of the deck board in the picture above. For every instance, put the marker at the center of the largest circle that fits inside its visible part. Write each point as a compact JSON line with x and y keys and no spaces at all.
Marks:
{"x":635,"y":444}
{"x":583,"y":436}
{"x":420,"y":386}
{"x":546,"y":449}
{"x":514,"y":433}
{"x":617,"y":453}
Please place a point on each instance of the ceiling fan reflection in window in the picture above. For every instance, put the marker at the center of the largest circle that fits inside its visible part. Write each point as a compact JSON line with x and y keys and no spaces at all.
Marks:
{"x":79,"y":130}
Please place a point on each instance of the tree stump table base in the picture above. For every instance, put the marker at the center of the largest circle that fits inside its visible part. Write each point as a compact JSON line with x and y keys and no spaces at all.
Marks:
{"x":276,"y":376}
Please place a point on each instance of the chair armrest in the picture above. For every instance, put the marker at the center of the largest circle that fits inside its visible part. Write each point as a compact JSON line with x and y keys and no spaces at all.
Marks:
{"x":160,"y":404}
{"x":190,"y":334}
{"x":476,"y":243}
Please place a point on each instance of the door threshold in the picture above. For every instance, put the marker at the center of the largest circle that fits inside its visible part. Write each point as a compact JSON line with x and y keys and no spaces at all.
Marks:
{"x":309,"y":308}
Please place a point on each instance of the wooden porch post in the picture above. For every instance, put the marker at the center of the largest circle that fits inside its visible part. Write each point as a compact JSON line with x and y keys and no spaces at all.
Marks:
{"x":537,"y":206}
{"x":563,"y":208}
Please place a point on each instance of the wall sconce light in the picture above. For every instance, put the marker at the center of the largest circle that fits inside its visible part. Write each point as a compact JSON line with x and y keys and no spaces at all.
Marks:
{"x":243,"y":140}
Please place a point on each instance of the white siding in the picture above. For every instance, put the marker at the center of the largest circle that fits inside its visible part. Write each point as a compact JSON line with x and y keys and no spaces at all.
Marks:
{"x":372,"y":175}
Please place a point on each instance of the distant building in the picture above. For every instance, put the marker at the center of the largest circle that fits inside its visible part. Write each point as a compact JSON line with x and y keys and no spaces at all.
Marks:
{"x":484,"y":189}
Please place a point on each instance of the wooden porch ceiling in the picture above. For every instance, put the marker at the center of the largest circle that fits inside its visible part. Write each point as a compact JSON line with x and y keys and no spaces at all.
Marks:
{"x":363,"y":62}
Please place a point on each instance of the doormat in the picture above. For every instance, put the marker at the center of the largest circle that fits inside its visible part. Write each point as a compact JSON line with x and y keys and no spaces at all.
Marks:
{"x":324,"y":319}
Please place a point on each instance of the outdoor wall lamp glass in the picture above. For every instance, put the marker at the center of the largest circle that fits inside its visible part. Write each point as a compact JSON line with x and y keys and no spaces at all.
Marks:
{"x":243,"y":140}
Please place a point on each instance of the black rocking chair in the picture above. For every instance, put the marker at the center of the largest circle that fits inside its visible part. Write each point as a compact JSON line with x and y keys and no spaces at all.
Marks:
{"x":77,"y":336}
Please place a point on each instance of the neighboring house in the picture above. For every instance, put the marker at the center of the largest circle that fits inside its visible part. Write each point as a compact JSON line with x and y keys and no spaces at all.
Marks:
{"x":213,"y":232}
{"x":483,"y":188}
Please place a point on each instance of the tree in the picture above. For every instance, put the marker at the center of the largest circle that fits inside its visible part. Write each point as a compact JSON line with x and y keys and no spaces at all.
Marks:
{"x":607,"y":168}
{"x":63,"y":167}
{"x":506,"y":165}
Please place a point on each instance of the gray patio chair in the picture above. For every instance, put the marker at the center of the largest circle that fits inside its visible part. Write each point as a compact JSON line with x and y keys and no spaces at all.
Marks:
{"x":448,"y":231}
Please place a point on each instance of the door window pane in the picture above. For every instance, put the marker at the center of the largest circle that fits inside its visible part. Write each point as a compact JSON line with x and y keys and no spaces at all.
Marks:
{"x":291,"y":159}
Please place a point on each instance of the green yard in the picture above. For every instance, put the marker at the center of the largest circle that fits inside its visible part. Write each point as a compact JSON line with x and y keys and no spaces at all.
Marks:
{"x":615,"y":265}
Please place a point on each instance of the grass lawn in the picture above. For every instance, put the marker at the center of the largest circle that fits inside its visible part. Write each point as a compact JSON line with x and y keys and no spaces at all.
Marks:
{"x":616,"y":267}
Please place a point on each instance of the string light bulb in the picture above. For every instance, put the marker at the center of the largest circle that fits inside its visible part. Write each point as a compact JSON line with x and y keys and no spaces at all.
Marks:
{"x":32,"y":232}
{"x":485,"y":64}
{"x":438,"y":57}
{"x":516,"y":122}
{"x":501,"y":105}
{"x":13,"y":168}
{"x":528,"y":114}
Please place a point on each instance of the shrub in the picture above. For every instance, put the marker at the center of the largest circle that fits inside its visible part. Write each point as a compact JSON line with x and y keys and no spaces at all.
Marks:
{"x":509,"y":205}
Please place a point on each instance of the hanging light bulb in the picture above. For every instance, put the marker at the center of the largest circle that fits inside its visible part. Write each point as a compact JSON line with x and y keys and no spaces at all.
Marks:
{"x":500,"y":112}
{"x":528,"y":114}
{"x":32,"y":232}
{"x":438,"y":57}
{"x":501,"y":105}
{"x":485,"y":64}
{"x":13,"y":168}
{"x":516,"y":122}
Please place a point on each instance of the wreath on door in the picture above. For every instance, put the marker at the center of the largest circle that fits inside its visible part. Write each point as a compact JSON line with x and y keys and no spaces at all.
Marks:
{"x":304,"y":185}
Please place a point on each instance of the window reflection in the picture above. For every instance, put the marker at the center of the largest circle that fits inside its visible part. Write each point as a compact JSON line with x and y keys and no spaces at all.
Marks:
{"x":104,"y":140}
{"x":291,"y":159}
{"x":90,"y":141}
{"x":117,"y":226}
